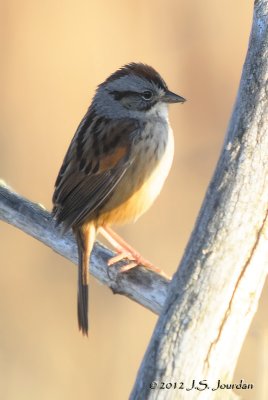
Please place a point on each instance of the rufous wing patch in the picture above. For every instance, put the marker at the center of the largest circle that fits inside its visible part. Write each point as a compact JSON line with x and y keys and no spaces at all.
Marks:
{"x":110,"y":160}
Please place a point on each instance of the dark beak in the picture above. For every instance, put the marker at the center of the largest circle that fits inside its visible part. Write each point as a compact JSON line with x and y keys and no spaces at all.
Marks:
{"x":170,"y":97}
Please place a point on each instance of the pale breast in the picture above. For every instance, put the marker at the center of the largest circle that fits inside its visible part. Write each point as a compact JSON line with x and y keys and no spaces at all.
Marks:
{"x":144,"y":180}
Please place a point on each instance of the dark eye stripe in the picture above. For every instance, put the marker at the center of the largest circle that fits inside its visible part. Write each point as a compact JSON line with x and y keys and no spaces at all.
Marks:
{"x":119,"y":95}
{"x":145,"y":105}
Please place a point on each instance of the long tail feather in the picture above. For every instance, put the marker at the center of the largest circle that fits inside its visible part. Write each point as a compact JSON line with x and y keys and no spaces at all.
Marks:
{"x":85,"y":236}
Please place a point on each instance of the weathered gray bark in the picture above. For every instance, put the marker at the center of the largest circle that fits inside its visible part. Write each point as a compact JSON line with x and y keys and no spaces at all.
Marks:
{"x":213,"y":296}
{"x":202,"y":327}
{"x":143,"y":286}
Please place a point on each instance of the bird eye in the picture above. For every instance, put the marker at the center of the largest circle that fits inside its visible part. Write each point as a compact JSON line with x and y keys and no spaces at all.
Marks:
{"x":147,"y":95}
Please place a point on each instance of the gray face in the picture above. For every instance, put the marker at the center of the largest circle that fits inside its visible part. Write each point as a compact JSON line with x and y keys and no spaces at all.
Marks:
{"x":128,"y":96}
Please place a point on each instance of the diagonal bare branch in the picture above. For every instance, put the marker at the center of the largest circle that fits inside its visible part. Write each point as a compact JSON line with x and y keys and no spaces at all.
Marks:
{"x":143,"y":286}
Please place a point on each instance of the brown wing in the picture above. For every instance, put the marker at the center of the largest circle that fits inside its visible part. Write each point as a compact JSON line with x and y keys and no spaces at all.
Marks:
{"x":97,"y":159}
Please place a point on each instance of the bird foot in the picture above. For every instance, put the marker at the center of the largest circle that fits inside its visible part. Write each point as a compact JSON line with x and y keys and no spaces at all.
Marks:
{"x":125,"y":251}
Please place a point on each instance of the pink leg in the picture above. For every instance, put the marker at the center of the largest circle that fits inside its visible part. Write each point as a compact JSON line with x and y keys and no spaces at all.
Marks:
{"x":124,"y":250}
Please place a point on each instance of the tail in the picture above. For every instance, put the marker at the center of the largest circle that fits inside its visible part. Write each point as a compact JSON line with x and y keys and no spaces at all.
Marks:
{"x":85,"y":237}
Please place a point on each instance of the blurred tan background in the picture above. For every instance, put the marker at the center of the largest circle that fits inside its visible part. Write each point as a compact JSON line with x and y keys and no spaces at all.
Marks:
{"x":53,"y":55}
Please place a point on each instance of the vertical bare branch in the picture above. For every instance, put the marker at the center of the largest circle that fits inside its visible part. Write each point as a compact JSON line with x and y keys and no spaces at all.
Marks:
{"x":214,"y":294}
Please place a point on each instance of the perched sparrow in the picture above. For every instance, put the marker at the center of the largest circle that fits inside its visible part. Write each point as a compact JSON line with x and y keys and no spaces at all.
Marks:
{"x":115,"y":166}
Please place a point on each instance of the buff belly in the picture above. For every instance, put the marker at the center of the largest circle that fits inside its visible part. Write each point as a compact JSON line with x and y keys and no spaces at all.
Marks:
{"x":139,"y":198}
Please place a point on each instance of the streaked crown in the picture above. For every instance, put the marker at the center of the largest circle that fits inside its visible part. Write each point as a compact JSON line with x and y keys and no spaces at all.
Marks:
{"x":139,"y":70}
